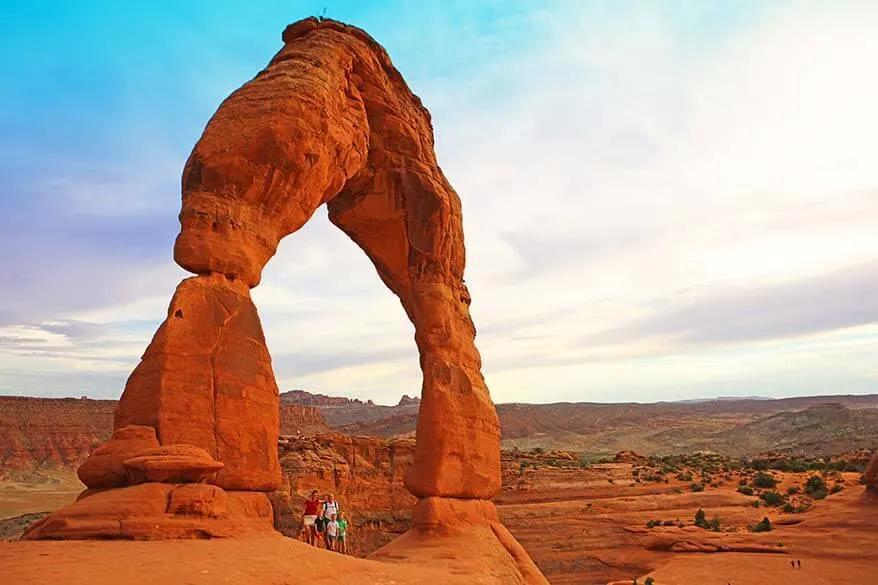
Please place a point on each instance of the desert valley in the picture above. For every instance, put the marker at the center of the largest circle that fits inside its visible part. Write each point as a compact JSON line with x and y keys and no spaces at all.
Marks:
{"x":586,"y":513}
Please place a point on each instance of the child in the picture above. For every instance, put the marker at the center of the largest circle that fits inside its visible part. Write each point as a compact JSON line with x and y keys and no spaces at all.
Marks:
{"x":331,"y":532}
{"x":341,"y":544}
{"x":320,"y":527}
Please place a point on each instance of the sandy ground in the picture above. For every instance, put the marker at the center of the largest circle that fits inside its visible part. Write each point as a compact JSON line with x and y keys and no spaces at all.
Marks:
{"x":474,"y":559}
{"x":38,"y":492}
{"x":579,"y":528}
{"x":756,"y":569}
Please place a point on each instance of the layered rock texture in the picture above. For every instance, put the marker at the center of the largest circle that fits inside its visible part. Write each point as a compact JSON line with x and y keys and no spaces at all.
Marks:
{"x":329,"y":121}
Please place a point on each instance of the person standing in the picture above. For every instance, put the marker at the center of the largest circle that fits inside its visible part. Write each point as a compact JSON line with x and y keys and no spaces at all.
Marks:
{"x":320,"y":529}
{"x":331,"y":533}
{"x":312,"y":507}
{"x":341,"y":542}
{"x":330,"y":506}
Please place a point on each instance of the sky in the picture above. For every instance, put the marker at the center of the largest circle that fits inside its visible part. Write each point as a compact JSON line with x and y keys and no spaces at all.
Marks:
{"x":662,"y":200}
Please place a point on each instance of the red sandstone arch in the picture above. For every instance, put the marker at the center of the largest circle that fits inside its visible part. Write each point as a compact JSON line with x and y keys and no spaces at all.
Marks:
{"x":330,"y":120}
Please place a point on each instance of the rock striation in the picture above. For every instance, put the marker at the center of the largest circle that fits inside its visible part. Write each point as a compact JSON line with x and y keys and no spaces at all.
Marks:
{"x":329,"y":121}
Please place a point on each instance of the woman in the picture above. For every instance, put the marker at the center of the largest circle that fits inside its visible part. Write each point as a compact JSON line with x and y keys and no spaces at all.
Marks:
{"x":312,"y":506}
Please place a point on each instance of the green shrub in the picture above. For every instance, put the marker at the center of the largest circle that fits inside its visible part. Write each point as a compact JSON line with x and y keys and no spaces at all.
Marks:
{"x":793,"y":490}
{"x":764,"y":480}
{"x":701,"y":519}
{"x":684,"y":476}
{"x":763,"y":526}
{"x":714,"y":524}
{"x":772,"y":498}
{"x":649,"y":581}
{"x":836,"y":488}
{"x":745,"y":489}
{"x":816,"y":487}
{"x":697,"y":487}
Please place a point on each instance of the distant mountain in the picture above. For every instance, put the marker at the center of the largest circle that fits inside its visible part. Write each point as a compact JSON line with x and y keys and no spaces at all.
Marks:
{"x":659,"y":428}
{"x":60,"y":432}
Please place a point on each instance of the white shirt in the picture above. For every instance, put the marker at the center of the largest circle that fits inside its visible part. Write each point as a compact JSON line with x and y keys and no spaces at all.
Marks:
{"x":330,"y":508}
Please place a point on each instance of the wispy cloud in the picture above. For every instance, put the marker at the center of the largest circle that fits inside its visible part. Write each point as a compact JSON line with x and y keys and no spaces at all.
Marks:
{"x":660,"y":201}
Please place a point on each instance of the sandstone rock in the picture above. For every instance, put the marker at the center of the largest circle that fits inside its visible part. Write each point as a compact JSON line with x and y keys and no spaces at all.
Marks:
{"x":158,"y":511}
{"x":104,"y":467}
{"x":172,"y":464}
{"x":196,"y":499}
{"x":206,"y":380}
{"x":871,"y":476}
{"x":330,"y":120}
{"x":446,"y":513}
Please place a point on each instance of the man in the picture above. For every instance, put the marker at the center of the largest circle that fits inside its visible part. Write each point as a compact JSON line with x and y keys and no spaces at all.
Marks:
{"x":330,"y":506}
{"x":312,"y":507}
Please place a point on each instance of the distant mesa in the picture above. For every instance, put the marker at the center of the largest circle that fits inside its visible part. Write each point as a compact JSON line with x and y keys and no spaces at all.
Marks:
{"x":407,"y":400}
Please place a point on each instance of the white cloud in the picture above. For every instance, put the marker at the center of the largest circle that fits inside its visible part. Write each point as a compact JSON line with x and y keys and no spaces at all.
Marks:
{"x":606,"y":163}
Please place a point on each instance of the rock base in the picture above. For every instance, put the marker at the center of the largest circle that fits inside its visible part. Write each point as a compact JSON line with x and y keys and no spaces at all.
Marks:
{"x":462,"y":524}
{"x":158,"y":511}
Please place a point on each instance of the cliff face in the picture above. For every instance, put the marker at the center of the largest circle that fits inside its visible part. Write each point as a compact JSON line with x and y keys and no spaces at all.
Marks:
{"x":44,"y":432}
{"x":303,"y":421}
{"x":60,"y":432}
{"x":365,"y":474}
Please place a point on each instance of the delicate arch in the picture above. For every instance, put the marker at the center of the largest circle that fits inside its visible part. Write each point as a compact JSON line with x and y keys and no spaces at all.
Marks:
{"x":330,"y":120}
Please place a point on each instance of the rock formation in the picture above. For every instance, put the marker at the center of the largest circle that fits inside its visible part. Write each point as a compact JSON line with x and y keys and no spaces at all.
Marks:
{"x":871,"y":476}
{"x":329,"y":121}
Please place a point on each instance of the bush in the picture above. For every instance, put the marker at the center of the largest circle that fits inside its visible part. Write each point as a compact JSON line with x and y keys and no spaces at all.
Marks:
{"x":793,"y":490}
{"x":816,"y":487}
{"x":836,"y":488}
{"x":669,"y":523}
{"x":772,"y":498}
{"x":763,"y":480}
{"x":701,"y":519}
{"x":684,"y":476}
{"x":745,"y":489}
{"x":649,"y":581}
{"x":763,"y":526}
{"x":715,"y":524}
{"x":653,"y":523}
{"x":697,"y":487}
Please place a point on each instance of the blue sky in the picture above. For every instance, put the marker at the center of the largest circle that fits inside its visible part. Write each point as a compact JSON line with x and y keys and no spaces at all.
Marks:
{"x":662,"y":200}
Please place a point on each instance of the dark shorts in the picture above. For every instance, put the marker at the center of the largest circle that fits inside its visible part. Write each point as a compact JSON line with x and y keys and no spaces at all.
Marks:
{"x":341,"y":537}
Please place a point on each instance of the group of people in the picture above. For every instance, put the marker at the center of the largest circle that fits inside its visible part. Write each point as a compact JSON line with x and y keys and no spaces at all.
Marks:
{"x":325,"y":524}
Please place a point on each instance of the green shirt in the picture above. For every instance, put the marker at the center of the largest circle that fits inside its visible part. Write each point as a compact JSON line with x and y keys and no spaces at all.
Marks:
{"x":342,"y":527}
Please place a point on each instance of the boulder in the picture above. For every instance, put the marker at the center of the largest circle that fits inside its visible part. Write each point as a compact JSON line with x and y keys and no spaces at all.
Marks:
{"x":104,"y":467}
{"x":172,"y":464}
